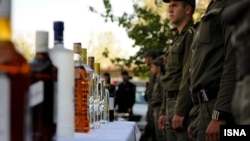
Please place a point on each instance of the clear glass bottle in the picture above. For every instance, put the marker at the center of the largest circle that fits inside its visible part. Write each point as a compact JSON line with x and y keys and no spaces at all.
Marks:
{"x":14,"y":82}
{"x":82,"y":90}
{"x":90,"y":96}
{"x":44,"y":76}
{"x":97,"y":96}
{"x":64,"y":104}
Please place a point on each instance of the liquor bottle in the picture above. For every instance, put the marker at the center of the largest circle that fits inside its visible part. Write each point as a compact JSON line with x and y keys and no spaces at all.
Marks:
{"x":62,"y":59}
{"x":82,"y":89}
{"x":90,"y":96}
{"x":44,"y":76}
{"x":95,"y":98}
{"x":98,"y":95}
{"x":14,"y":82}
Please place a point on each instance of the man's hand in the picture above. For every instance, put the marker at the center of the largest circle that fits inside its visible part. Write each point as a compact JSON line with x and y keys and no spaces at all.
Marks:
{"x":177,"y":122}
{"x":190,"y":135}
{"x":213,"y":130}
{"x":162,"y":122}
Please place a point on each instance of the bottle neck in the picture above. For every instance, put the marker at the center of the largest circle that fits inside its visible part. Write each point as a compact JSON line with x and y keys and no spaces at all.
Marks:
{"x":58,"y":37}
{"x":5,"y":29}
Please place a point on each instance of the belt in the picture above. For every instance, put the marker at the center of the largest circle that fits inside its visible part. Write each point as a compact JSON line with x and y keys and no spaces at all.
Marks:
{"x":172,"y":94}
{"x":204,"y":95}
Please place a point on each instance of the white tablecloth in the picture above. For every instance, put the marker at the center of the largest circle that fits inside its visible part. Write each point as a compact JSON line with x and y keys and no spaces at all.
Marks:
{"x":113,"y":131}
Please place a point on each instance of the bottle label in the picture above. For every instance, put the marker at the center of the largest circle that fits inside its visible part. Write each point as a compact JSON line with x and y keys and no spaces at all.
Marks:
{"x":5,"y":8}
{"x":36,"y":93}
{"x":5,"y":108}
{"x":111,"y":103}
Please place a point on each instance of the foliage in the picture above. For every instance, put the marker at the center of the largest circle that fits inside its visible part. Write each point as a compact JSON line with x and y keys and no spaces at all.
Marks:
{"x":145,"y":27}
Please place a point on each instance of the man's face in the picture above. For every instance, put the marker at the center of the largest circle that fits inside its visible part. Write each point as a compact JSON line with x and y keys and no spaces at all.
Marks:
{"x":154,"y":69}
{"x":148,"y":60}
{"x":176,"y":12}
{"x":125,"y":77}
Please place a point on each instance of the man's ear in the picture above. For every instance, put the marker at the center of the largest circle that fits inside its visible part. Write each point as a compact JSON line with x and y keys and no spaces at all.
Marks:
{"x":188,"y":10}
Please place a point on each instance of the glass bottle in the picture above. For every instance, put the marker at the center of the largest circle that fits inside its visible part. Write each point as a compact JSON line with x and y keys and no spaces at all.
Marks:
{"x":82,"y":122}
{"x":97,"y":96}
{"x":64,"y":104}
{"x":14,"y":82}
{"x":44,"y":76}
{"x":90,"y":96}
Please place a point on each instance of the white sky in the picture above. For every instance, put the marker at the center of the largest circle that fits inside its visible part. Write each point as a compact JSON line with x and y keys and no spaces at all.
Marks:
{"x":28,"y":16}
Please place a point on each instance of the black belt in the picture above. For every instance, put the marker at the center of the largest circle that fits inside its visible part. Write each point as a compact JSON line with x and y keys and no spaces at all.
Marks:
{"x":204,"y":95}
{"x":172,"y":94}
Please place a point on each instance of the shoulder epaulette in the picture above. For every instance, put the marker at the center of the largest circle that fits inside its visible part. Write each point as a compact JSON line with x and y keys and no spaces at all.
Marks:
{"x":191,"y":29}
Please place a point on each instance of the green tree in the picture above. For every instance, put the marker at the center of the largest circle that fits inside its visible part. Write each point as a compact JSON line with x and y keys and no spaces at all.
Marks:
{"x":146,"y":27}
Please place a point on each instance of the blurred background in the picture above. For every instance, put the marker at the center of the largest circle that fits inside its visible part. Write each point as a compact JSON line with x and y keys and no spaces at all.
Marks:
{"x":116,"y":32}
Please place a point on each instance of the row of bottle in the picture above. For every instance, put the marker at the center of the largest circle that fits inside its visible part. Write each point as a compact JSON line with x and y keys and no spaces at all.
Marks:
{"x":50,"y":96}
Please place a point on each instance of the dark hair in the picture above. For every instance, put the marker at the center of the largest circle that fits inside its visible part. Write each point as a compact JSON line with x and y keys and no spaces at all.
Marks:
{"x":159,"y":62}
{"x":124,"y":72}
{"x":106,"y":74}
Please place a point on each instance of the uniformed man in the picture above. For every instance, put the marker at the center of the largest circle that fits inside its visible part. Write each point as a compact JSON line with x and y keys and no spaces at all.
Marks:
{"x":212,"y":74}
{"x":178,"y":102}
{"x":149,"y":134}
{"x":238,"y":15}
{"x":157,"y":69}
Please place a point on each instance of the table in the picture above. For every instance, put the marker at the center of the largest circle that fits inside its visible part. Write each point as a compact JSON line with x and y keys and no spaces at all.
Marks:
{"x":113,"y":131}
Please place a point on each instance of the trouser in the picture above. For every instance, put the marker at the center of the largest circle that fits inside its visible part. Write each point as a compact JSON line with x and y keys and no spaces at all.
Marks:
{"x":241,"y":101}
{"x":159,"y":135}
{"x":148,"y":133}
{"x":200,"y":117}
{"x":171,"y":134}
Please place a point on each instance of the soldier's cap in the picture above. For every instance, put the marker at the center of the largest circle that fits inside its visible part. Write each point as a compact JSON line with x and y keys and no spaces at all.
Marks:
{"x":191,"y":2}
{"x":158,"y":61}
{"x":151,"y":53}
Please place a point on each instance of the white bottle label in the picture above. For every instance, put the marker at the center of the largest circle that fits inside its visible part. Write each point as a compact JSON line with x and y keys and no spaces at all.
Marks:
{"x":5,"y":108}
{"x":111,"y":103}
{"x":5,"y":8}
{"x":36,"y":93}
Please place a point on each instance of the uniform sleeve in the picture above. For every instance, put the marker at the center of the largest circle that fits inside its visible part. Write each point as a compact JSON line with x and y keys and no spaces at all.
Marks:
{"x":228,"y":80}
{"x":184,"y":102}
{"x":163,"y":104}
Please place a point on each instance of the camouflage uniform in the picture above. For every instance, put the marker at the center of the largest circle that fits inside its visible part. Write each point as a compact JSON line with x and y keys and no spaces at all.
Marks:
{"x":212,"y":71}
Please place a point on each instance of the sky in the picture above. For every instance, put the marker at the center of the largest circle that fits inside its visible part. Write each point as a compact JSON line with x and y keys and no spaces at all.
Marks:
{"x":29,"y":16}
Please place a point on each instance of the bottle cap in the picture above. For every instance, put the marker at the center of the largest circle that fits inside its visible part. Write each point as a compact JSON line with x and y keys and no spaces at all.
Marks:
{"x":77,"y":48}
{"x":42,"y":38}
{"x":58,"y":30}
{"x":84,"y":55}
{"x":97,"y":68}
{"x":91,"y":61}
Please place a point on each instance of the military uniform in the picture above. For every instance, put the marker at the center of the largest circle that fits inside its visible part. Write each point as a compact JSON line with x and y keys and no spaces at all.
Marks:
{"x":238,"y":15}
{"x":155,"y":104}
{"x":212,"y":71}
{"x":148,"y":134}
{"x":177,"y":100}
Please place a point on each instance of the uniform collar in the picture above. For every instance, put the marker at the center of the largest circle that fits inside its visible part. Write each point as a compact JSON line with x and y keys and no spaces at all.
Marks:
{"x":186,"y":27}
